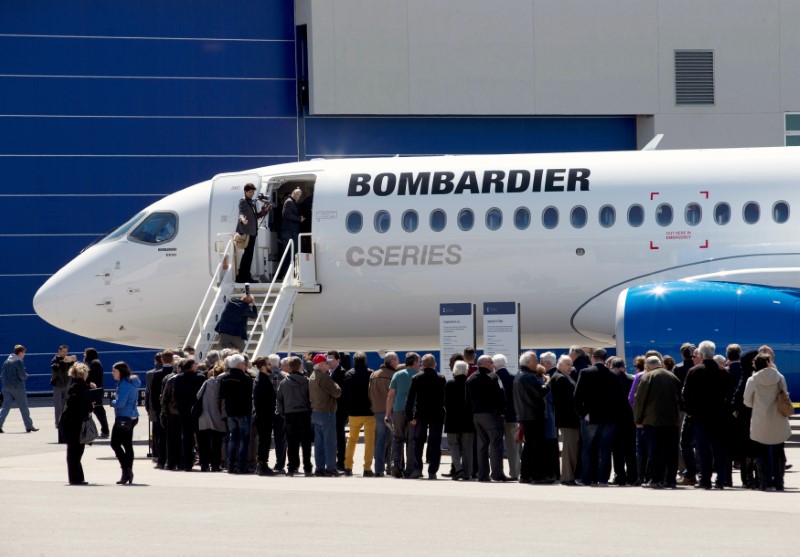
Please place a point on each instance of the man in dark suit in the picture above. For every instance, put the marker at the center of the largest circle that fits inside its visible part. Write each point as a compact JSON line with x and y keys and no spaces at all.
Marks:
{"x":562,"y":385}
{"x":425,"y":411}
{"x":687,"y":460}
{"x":624,"y":451}
{"x":152,"y":416}
{"x":154,"y":408}
{"x":338,"y":372}
{"x":706,"y":399}
{"x":597,"y":401}
{"x":187,"y":384}
{"x":248,"y":224}
{"x":488,"y":403}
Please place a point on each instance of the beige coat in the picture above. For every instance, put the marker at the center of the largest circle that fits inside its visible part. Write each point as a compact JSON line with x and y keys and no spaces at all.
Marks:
{"x":767,"y":426}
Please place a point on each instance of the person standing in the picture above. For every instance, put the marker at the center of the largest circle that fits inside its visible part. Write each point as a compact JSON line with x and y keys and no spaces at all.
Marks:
{"x":379,"y":383}
{"x":656,"y":411}
{"x":236,"y":392}
{"x":562,"y":388}
{"x":148,"y":388}
{"x":248,"y":225}
{"x":291,"y":219}
{"x":154,"y":408}
{"x":359,"y":409}
{"x":171,"y":421}
{"x":458,"y":423}
{"x":294,"y":404}
{"x":185,"y":388}
{"x":263,"y":413}
{"x":323,"y":393}
{"x":687,"y":457}
{"x":337,"y":373}
{"x":59,"y":379}
{"x":510,"y":426}
{"x":403,"y":432}
{"x":488,"y":404}
{"x":232,"y":324}
{"x":529,"y":391}
{"x":14,"y":377}
{"x":126,"y":418}
{"x":96,"y":376}
{"x":769,"y":429}
{"x":425,"y":411}
{"x":78,"y":408}
{"x":211,"y":425}
{"x":597,"y":401}
{"x":626,"y":470}
{"x":281,"y":371}
{"x":706,"y":399}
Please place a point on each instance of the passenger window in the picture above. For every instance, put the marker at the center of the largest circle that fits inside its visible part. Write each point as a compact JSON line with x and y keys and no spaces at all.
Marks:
{"x":494,"y":218}
{"x":522,"y":218}
{"x":353,"y":222}
{"x":722,"y":213}
{"x":550,"y":217}
{"x":664,"y":214}
{"x":410,"y":221}
{"x":438,"y":220}
{"x":751,"y":212}
{"x":577,"y":217}
{"x":635,"y":215}
{"x":694,"y":214}
{"x":382,"y":221}
{"x":158,"y":228}
{"x":607,"y":216}
{"x":466,"y":219}
{"x":780,"y":212}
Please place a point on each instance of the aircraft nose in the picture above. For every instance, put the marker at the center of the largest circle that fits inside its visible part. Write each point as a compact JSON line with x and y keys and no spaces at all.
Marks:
{"x":45,"y":302}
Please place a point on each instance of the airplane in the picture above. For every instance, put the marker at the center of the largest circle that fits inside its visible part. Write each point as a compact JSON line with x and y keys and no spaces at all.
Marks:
{"x":634,"y":249}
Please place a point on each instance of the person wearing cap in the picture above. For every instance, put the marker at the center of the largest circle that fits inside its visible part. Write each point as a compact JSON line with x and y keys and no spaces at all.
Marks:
{"x":323,"y":392}
{"x":248,"y":224}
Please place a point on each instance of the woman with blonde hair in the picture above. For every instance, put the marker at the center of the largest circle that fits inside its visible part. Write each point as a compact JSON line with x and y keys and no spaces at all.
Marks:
{"x":78,"y":407}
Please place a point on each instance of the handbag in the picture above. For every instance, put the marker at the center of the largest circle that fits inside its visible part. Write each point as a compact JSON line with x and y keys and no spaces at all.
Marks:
{"x":125,"y":423}
{"x":88,"y":431}
{"x":240,"y":241}
{"x":784,"y":403}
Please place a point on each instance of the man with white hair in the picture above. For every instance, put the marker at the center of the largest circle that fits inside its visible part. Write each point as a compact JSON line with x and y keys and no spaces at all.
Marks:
{"x":656,"y":411}
{"x":706,"y":399}
{"x":510,"y":425}
{"x":562,"y":386}
{"x":529,"y":393}
{"x":458,"y":422}
{"x":487,"y":401}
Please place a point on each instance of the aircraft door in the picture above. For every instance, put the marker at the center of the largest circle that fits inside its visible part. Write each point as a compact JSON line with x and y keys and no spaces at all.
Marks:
{"x":226,"y":191}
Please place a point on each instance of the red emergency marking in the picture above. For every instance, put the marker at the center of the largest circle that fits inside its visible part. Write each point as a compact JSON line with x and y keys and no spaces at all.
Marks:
{"x":652,"y":246}
{"x":704,"y":193}
{"x":653,"y":194}
{"x":704,"y":245}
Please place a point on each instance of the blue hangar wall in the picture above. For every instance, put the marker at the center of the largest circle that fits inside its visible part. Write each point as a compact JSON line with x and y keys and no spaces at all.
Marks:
{"x":106,"y":107}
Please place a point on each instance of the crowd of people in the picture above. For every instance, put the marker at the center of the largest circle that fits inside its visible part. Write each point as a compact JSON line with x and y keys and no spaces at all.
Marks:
{"x":690,"y":423}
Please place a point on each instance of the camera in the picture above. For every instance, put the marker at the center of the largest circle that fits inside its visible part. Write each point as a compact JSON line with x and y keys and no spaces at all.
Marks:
{"x":262,"y":197}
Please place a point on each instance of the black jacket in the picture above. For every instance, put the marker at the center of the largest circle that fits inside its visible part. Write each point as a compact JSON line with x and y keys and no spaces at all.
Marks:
{"x":458,"y":416}
{"x":356,"y":391}
{"x":581,"y":363}
{"x":263,"y":398}
{"x":563,"y":388}
{"x":338,"y":377}
{"x":735,"y":371}
{"x":507,"y":381}
{"x":96,"y":373}
{"x":184,"y":391}
{"x":236,"y":391}
{"x":707,"y":394}
{"x":290,"y":220}
{"x":156,"y":385}
{"x":682,"y":369}
{"x":233,"y":320}
{"x":59,"y":369}
{"x":484,"y":393}
{"x":598,"y":394}
{"x":77,"y":409}
{"x":426,"y":397}
{"x":529,"y":396}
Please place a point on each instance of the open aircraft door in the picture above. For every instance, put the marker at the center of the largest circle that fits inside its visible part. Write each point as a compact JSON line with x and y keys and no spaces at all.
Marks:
{"x":226,"y":191}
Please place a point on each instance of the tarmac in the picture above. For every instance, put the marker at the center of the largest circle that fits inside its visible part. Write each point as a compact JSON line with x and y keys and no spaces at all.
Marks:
{"x":178,"y":513}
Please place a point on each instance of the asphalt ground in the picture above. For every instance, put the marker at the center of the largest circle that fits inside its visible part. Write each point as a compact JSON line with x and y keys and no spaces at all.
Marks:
{"x":178,"y":513}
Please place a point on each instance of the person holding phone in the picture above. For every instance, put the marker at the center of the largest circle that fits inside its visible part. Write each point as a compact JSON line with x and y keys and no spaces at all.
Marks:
{"x":78,"y":407}
{"x":127,"y":416}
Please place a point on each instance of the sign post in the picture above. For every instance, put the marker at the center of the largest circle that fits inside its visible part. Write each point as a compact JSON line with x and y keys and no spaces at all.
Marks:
{"x":456,"y":332}
{"x":501,"y":334}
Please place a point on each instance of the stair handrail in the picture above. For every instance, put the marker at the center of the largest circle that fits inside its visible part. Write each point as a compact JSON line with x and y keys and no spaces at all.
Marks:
{"x":289,"y":271}
{"x":222,"y":267}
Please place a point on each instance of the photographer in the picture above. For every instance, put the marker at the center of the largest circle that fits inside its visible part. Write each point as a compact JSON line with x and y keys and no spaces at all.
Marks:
{"x":248,"y":225}
{"x":59,"y":380}
{"x":232,"y":325}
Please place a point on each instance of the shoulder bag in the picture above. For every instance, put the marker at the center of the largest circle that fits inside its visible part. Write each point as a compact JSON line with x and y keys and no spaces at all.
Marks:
{"x":784,"y":403}
{"x":88,"y":431}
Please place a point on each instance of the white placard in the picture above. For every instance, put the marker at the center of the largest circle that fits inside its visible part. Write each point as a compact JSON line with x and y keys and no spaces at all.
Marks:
{"x":501,"y":331}
{"x":456,"y":332}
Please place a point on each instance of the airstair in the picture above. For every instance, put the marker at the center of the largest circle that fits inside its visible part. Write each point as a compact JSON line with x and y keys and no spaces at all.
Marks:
{"x":273,"y":327}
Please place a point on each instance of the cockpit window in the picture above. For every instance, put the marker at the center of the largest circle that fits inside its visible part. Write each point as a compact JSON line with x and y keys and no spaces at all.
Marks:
{"x":157,"y":228}
{"x":122,"y":230}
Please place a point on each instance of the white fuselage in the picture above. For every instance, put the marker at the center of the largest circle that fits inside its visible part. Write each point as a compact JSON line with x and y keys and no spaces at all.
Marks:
{"x":382,"y":290}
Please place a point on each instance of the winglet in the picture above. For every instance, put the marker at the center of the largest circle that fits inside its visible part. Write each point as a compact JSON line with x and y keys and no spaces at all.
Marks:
{"x":653,"y":143}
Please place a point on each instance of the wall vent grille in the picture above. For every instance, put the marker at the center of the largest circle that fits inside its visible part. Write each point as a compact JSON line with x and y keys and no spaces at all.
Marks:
{"x":694,"y":77}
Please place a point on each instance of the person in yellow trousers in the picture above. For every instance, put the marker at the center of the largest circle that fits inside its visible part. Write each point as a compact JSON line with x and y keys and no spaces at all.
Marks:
{"x":359,"y":410}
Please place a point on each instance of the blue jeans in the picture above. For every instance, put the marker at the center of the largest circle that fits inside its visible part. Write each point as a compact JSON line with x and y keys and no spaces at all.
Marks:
{"x":19,"y":397}
{"x":383,"y":436}
{"x":598,"y":439}
{"x":324,"y":440}
{"x":238,"y":442}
